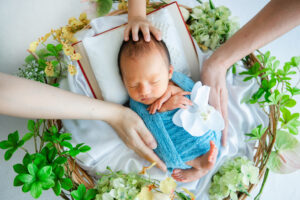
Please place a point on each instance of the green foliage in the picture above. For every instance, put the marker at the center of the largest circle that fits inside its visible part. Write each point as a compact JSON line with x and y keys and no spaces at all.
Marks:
{"x":256,"y":133}
{"x":275,"y":90}
{"x":82,"y":194}
{"x":212,"y":26}
{"x":103,"y":7}
{"x":45,"y":168}
{"x":34,"y":69}
{"x":233,"y":176}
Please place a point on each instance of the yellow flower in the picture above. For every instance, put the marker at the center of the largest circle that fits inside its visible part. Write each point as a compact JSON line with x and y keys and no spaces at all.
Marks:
{"x":68,"y":49}
{"x":76,"y":56}
{"x":144,"y":170}
{"x":168,"y":185}
{"x":66,"y":34}
{"x":33,"y":46}
{"x":49,"y":70}
{"x":45,"y":38}
{"x":82,"y":16}
{"x":189,"y":193}
{"x":72,"y":69}
{"x":145,"y":194}
{"x":123,"y":5}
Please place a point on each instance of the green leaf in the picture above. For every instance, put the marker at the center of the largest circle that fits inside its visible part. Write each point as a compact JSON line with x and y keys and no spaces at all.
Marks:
{"x":52,"y":154}
{"x":66,"y":183}
{"x":27,"y":136}
{"x":13,"y":137}
{"x":85,"y":148}
{"x":53,"y":129}
{"x":57,"y":188}
{"x":60,"y":160}
{"x":31,"y":125}
{"x":17,"y":182}
{"x":104,"y":7}
{"x":8,"y":154}
{"x":55,"y":84}
{"x":54,"y":62}
{"x":45,"y":172}
{"x":295,"y":61}
{"x":59,"y":47}
{"x":66,"y":144}
{"x":65,"y":136}
{"x":51,"y":48}
{"x":20,"y":169}
{"x":74,"y":152}
{"x":39,"y":160}
{"x":26,"y":187}
{"x":47,"y":184}
{"x":5,"y":144}
{"x":290,"y":103}
{"x":90,"y":194}
{"x":79,"y":193}
{"x":32,"y":169}
{"x":36,"y":190}
{"x":26,"y":178}
{"x":59,"y":171}
{"x":27,"y":159}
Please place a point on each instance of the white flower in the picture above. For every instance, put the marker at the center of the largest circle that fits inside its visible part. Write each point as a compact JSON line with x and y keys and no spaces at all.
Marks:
{"x":200,"y":117}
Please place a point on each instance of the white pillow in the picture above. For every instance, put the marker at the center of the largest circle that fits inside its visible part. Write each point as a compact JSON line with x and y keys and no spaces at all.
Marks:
{"x":102,"y":51}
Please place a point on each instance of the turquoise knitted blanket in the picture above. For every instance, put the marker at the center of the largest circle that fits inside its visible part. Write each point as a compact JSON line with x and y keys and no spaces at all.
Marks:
{"x":175,"y":145}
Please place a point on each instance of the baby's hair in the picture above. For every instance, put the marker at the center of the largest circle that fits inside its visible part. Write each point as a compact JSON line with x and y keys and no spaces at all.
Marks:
{"x":133,"y":49}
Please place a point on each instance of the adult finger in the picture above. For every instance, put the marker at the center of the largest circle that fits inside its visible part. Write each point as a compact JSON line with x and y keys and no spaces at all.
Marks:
{"x":144,"y":151}
{"x":145,"y":31}
{"x":135,"y":30}
{"x":224,"y":109}
{"x":146,"y":136}
{"x":155,"y":32}
{"x":149,"y":155}
{"x":214,"y":100}
{"x":126,"y":32}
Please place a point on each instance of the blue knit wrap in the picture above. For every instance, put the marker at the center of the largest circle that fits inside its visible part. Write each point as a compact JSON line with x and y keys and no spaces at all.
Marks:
{"x":175,"y":145}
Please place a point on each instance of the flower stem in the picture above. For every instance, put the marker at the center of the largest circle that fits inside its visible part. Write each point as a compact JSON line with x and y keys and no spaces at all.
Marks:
{"x":263,"y":184}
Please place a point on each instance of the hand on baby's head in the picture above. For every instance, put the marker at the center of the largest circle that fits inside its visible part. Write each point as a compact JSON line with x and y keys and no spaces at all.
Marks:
{"x":137,"y":23}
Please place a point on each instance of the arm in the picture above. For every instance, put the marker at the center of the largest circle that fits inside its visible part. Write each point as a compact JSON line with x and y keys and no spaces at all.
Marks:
{"x":276,"y":18}
{"x":137,"y":20}
{"x":29,"y":99}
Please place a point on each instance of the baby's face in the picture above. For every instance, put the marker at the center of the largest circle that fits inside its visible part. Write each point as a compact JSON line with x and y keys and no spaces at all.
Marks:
{"x":146,"y":78}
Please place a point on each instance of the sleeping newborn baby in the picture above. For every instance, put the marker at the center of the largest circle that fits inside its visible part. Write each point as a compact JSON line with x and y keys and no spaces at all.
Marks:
{"x":156,"y":93}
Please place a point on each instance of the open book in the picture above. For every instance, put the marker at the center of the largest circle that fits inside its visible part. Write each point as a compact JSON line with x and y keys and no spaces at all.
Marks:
{"x":99,"y":53}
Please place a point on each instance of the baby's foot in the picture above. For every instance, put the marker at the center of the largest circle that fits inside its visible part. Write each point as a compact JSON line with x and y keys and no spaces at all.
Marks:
{"x":201,"y":166}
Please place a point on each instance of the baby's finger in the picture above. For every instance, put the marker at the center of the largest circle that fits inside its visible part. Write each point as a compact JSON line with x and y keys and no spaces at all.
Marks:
{"x":155,"y":32}
{"x":183,"y":106}
{"x":187,"y":101}
{"x":135,"y":31}
{"x":184,"y":93}
{"x":126,"y":32}
{"x":145,"y":31}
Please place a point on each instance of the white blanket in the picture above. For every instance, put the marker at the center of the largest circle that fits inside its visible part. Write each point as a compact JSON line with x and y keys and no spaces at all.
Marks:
{"x":109,"y":150}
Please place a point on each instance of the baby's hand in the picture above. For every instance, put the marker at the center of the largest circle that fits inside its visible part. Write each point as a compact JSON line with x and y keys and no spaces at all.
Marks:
{"x":159,"y":102}
{"x":142,"y":23}
{"x":176,"y":101}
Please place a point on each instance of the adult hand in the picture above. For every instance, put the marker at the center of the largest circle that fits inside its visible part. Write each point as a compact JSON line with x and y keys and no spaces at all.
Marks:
{"x":141,"y":23}
{"x":214,"y":77}
{"x":132,"y":130}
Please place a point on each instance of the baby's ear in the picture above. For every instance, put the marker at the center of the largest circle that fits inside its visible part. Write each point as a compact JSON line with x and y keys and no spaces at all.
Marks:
{"x":171,"y":70}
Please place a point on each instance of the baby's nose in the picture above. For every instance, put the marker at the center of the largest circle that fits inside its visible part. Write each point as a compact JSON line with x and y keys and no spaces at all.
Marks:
{"x":145,"y":90}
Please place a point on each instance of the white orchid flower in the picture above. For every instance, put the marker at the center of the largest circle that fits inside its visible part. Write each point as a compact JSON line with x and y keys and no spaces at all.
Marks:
{"x":200,"y":117}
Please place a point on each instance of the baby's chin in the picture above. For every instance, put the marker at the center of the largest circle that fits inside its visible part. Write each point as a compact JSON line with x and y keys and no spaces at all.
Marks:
{"x":148,"y":101}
